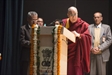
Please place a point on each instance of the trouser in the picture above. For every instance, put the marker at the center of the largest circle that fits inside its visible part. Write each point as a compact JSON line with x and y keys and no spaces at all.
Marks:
{"x":98,"y":67}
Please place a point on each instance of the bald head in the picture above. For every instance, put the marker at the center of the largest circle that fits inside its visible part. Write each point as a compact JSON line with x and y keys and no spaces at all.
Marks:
{"x":99,"y":13}
{"x":72,"y":8}
{"x":72,"y":11}
{"x":72,"y":14}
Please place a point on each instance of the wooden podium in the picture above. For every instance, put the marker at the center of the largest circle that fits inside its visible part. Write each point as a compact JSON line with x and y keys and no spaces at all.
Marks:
{"x":49,"y":50}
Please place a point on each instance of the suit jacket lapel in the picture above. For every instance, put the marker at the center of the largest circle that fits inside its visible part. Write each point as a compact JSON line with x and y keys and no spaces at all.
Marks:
{"x":102,"y":31}
{"x":92,"y":30}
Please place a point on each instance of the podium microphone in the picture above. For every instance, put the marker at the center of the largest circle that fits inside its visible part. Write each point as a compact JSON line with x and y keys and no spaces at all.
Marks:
{"x":52,"y":23}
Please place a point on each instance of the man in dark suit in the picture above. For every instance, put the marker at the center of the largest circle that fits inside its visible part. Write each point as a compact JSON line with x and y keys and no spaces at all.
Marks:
{"x":25,"y":42}
{"x":101,"y":40}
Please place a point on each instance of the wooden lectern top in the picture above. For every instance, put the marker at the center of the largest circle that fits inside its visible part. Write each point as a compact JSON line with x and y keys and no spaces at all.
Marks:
{"x":47,"y":31}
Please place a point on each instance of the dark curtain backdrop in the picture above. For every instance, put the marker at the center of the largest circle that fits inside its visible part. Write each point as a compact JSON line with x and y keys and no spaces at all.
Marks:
{"x":109,"y":69}
{"x":49,"y":10}
{"x":11,"y":16}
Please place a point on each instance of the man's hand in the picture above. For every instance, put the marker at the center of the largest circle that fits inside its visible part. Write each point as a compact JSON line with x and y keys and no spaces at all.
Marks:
{"x":95,"y":50}
{"x":76,"y":34}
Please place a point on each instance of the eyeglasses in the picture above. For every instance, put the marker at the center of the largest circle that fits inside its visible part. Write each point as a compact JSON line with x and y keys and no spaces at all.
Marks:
{"x":39,"y":21}
{"x":72,"y":15}
{"x":33,"y":20}
{"x":97,"y":17}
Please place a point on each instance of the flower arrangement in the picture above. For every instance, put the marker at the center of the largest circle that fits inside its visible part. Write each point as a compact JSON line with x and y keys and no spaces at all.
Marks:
{"x":57,"y":48}
{"x":38,"y":48}
{"x":33,"y":51}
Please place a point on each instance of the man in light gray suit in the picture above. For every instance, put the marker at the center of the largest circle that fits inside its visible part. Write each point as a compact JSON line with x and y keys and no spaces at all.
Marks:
{"x":101,"y":40}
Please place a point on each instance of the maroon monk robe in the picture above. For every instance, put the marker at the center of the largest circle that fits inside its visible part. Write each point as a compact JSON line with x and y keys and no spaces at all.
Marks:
{"x":79,"y":52}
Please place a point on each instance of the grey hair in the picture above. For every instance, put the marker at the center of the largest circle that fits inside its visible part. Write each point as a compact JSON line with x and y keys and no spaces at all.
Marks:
{"x":32,"y":13}
{"x":72,"y":8}
{"x":99,"y":13}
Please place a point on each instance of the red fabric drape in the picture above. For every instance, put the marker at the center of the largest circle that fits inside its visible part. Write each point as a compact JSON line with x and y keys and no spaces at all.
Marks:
{"x":79,"y":52}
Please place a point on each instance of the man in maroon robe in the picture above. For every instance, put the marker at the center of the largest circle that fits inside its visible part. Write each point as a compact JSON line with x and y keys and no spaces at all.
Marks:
{"x":79,"y":52}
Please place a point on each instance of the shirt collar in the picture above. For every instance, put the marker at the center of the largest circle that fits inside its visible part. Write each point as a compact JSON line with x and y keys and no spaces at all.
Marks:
{"x":98,"y":26}
{"x":29,"y":26}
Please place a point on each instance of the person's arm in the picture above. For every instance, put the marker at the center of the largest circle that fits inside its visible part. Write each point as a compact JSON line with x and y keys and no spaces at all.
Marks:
{"x":76,"y":34}
{"x":23,"y":41}
{"x":85,"y":43}
{"x":108,"y":40}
